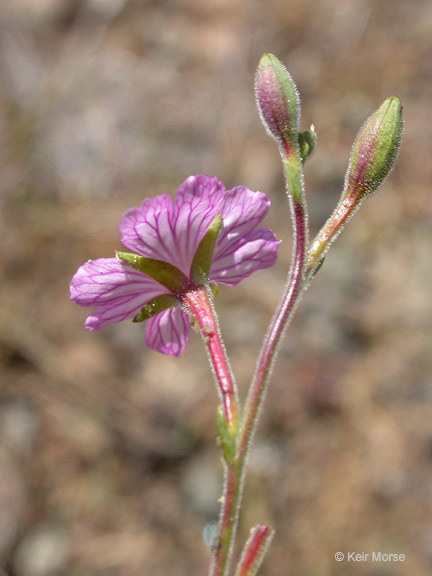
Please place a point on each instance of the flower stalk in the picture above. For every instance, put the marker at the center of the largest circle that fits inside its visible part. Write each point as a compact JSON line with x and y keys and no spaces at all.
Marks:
{"x":198,"y":303}
{"x":278,"y":104}
{"x":287,"y":139}
{"x":235,"y":472}
{"x":275,"y":333}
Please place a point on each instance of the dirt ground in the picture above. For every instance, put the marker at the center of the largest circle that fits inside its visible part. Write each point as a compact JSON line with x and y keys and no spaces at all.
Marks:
{"x":108,"y":461}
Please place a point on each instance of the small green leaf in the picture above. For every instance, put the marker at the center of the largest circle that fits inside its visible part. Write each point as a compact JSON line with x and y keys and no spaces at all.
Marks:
{"x":307,"y":141}
{"x":201,"y":263}
{"x":164,"y":273}
{"x":225,"y":440}
{"x":155,"y":306}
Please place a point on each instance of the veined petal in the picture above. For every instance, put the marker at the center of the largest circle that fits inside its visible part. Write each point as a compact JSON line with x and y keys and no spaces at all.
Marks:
{"x":116,"y":289}
{"x":167,"y":332}
{"x":198,"y":201}
{"x":147,"y":229}
{"x":172,"y":231}
{"x":242,"y":211}
{"x":256,"y":251}
{"x":117,"y":311}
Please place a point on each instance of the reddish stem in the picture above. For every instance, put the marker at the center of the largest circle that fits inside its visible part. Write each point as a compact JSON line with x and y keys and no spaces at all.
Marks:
{"x":198,"y":302}
{"x":345,"y":209}
{"x":235,"y":473}
{"x":277,"y":327}
{"x":254,"y":550}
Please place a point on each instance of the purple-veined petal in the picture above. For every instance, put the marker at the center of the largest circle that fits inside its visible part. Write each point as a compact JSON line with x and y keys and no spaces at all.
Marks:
{"x":198,"y":200}
{"x":167,"y":332}
{"x":172,"y":231}
{"x":258,"y":250}
{"x":147,"y":229}
{"x":242,"y":211}
{"x":116,"y":289}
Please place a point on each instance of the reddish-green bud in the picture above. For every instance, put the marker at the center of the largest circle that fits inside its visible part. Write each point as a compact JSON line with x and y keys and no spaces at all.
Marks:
{"x":278,"y":102}
{"x":375,"y":149}
{"x":372,"y":157}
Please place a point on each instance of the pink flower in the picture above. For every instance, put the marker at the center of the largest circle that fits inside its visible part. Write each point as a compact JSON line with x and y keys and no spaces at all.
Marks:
{"x":169,"y":232}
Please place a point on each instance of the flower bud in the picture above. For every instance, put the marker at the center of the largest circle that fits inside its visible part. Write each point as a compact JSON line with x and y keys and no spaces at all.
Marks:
{"x":372,"y":157}
{"x":278,"y":102}
{"x":375,"y":149}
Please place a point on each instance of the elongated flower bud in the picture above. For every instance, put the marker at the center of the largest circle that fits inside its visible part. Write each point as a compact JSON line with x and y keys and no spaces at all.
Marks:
{"x":375,"y":149}
{"x":372,"y":158}
{"x":278,"y":102}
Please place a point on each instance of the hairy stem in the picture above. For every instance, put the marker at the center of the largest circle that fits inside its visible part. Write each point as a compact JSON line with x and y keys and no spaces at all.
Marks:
{"x":274,"y":336}
{"x":199,"y":304}
{"x":228,"y":520}
{"x":254,"y":550}
{"x":285,"y":310}
{"x":235,"y":472}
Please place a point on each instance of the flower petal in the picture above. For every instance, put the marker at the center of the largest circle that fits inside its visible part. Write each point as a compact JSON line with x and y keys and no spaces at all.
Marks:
{"x":116,"y":289}
{"x":255,"y":251}
{"x":240,"y":249}
{"x":242,"y":211}
{"x":198,"y":200}
{"x":167,"y":332}
{"x":172,"y":231}
{"x":147,"y":229}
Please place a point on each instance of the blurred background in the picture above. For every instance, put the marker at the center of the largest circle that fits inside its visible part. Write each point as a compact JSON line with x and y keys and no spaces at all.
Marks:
{"x":108,"y":462}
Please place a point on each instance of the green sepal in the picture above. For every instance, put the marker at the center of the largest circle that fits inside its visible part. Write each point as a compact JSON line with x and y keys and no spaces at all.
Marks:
{"x":312,"y":270}
{"x":306,"y":141}
{"x":158,"y":304}
{"x":201,"y":263}
{"x":225,"y":439}
{"x":164,"y":273}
